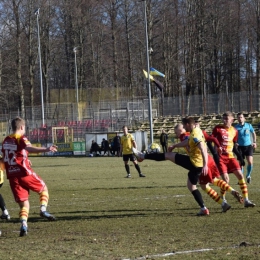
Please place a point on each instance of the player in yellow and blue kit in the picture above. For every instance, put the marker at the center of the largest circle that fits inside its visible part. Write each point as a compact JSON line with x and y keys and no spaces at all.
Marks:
{"x":196,"y":162}
{"x":127,"y":143}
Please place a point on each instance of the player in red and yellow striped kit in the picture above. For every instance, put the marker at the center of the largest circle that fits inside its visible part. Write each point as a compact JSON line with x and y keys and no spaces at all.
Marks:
{"x":21,"y":176}
{"x":227,"y":135}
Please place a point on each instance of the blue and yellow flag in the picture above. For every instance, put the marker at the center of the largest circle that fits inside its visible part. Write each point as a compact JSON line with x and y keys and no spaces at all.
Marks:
{"x":158,"y":84}
{"x":146,"y":75}
{"x":155,"y":72}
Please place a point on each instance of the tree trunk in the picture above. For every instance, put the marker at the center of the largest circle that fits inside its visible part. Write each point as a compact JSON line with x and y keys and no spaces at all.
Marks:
{"x":258,"y":53}
{"x":113,"y":14}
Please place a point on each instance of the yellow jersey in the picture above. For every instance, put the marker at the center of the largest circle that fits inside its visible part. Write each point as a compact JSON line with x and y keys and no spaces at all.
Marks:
{"x":196,"y":137}
{"x":127,"y":143}
{"x":1,"y":176}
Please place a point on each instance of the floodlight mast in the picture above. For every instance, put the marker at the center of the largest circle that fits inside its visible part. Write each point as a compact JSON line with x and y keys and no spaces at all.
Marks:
{"x":76,"y":75}
{"x":76,"y":81}
{"x":37,"y":13}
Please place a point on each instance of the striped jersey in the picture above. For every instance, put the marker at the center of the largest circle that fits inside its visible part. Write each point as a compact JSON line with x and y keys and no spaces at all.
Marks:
{"x":226,"y":138}
{"x":15,"y":156}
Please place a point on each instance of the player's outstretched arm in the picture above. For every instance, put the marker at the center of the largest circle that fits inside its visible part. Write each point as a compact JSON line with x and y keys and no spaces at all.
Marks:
{"x":181,"y":144}
{"x":34,"y":149}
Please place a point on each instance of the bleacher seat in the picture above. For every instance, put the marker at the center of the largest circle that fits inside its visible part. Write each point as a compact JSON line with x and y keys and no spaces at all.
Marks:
{"x":61,"y":123}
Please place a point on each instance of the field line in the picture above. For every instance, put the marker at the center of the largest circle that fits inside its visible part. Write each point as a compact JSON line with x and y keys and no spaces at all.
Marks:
{"x":177,"y":253}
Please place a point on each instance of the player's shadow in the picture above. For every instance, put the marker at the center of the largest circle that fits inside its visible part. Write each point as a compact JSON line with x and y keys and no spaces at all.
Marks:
{"x":118,"y":214}
{"x":129,"y":213}
{"x":137,"y":188}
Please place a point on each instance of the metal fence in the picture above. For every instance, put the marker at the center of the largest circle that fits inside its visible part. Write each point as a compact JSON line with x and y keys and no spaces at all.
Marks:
{"x":214,"y":103}
{"x":110,"y":116}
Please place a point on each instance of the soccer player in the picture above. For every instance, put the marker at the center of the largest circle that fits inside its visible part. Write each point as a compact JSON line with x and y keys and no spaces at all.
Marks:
{"x":227,"y":135}
{"x":213,"y":175}
{"x":245,"y":145}
{"x":209,"y":140}
{"x":5,"y":213}
{"x":127,"y":143}
{"x":22,"y":178}
{"x":214,"y":150}
{"x":196,"y":162}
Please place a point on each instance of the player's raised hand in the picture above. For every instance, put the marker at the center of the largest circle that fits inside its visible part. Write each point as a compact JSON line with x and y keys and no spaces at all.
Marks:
{"x":53,"y":148}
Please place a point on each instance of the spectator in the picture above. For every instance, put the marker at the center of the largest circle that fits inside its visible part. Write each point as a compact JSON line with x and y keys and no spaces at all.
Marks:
{"x":105,"y":146}
{"x":95,"y":148}
{"x":164,"y":141}
{"x":116,"y":144}
{"x":111,"y":146}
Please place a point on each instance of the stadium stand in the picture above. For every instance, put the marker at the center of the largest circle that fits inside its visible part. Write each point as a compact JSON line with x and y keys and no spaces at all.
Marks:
{"x":43,"y":134}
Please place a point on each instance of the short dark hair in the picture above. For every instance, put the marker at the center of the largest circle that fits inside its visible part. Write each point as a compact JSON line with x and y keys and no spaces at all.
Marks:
{"x":240,"y":114}
{"x":188,"y":120}
{"x":228,"y":113}
{"x":17,"y":123}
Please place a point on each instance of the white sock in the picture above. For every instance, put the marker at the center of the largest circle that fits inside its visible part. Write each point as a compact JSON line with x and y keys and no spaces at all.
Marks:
{"x":43,"y":208}
{"x":24,"y":223}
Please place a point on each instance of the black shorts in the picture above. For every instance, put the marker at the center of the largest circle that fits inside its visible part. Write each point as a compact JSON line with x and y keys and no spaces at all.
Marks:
{"x":127,"y":157}
{"x":246,"y":150}
{"x":185,"y":162}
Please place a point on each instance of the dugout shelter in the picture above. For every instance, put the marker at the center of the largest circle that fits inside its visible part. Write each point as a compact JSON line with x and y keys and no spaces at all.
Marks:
{"x":140,"y":138}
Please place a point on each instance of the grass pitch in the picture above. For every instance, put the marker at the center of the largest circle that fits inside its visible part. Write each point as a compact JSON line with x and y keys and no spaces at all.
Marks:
{"x":102,"y":215}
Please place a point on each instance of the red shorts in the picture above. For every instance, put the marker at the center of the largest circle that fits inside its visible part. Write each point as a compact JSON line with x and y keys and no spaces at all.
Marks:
{"x":213,"y":172}
{"x":205,"y":179}
{"x":213,"y":168}
{"x":228,"y":165}
{"x":21,"y":186}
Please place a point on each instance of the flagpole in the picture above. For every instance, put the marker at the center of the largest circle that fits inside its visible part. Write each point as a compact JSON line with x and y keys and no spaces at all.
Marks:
{"x":148,"y":78}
